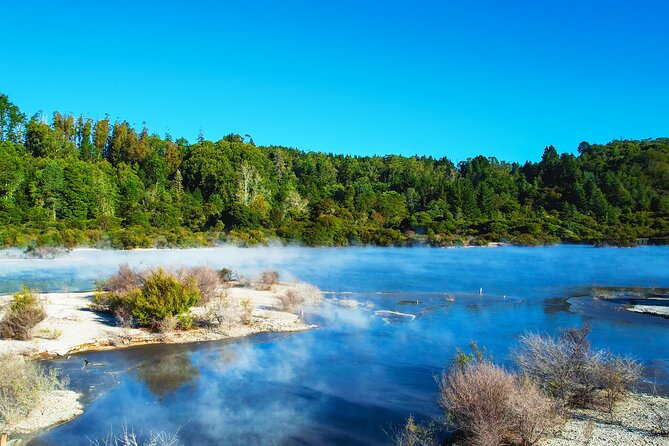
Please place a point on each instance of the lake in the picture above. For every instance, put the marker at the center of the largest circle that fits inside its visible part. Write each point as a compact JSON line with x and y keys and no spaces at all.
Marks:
{"x":364,"y":370}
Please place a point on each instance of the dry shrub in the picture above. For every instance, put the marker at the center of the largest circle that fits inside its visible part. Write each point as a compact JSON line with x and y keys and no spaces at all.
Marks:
{"x":23,"y":385}
{"x":206,"y":279}
{"x":24,"y":312}
{"x":167,"y":326}
{"x":290,"y":299}
{"x":617,"y":376}
{"x":122,"y":281}
{"x":534,"y":415}
{"x":267,"y":280}
{"x":475,"y":398}
{"x":413,"y":434}
{"x":127,"y":437}
{"x":564,"y":367}
{"x":246,"y":314}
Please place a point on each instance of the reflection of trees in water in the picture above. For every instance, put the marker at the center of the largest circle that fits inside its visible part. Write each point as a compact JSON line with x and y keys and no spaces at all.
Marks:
{"x":168,"y":374}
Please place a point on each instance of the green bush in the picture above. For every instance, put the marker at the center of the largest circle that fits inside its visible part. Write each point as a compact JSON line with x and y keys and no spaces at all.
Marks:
{"x":23,"y":313}
{"x":161,"y":296}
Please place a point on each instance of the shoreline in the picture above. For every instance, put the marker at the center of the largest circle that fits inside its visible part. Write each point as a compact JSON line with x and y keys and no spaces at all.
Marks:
{"x":78,"y":328}
{"x":72,"y":327}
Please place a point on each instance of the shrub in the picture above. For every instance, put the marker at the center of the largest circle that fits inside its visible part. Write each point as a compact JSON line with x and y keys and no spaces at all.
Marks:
{"x":22,"y":387}
{"x":227,"y":275}
{"x":289,"y":300}
{"x":127,"y":437}
{"x":161,"y":296}
{"x":475,"y":398}
{"x":267,"y":280}
{"x":565,"y":367}
{"x":246,"y":311}
{"x":533,"y":414}
{"x":122,"y":281}
{"x":23,"y":313}
{"x":412,"y":434}
{"x":617,"y":376}
{"x":206,"y":279}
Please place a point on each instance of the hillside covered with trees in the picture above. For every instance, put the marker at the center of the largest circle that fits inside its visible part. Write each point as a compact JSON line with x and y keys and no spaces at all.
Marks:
{"x":76,"y":181}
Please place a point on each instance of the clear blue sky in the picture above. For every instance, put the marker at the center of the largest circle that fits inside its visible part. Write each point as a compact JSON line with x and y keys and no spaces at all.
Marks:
{"x":454,"y":78}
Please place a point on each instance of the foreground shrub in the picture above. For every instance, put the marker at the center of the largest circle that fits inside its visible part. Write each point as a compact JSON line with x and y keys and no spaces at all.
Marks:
{"x":475,"y":398}
{"x":564,"y":367}
{"x":413,"y":434}
{"x":127,"y":437}
{"x":23,"y":385}
{"x":533,"y":414}
{"x":162,"y":296}
{"x":23,"y":313}
{"x":616,"y":377}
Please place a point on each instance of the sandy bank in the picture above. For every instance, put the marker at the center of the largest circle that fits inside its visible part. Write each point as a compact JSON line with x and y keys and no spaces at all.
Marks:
{"x":56,"y":407}
{"x":77,"y":328}
{"x":634,"y":423}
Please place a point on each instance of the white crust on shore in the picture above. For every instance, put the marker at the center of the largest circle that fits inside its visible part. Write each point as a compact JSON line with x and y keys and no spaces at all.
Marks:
{"x":82,"y":329}
{"x":56,"y":407}
{"x":633,"y":424}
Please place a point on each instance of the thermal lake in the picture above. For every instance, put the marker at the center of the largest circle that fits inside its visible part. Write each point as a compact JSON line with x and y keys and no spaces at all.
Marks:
{"x":366,"y":368}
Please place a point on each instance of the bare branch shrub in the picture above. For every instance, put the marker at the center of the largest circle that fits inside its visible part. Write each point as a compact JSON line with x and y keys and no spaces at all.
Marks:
{"x":290,"y":299}
{"x":124,"y":280}
{"x":24,"y":312}
{"x":23,"y":385}
{"x":167,"y":326}
{"x":475,"y":399}
{"x":565,"y":367}
{"x":534,"y":414}
{"x":267,"y":280}
{"x":127,"y":437}
{"x":412,"y":434}
{"x":206,"y":279}
{"x":617,"y":376}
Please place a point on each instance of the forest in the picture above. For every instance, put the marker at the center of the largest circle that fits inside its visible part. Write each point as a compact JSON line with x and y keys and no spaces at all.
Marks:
{"x":75,"y":181}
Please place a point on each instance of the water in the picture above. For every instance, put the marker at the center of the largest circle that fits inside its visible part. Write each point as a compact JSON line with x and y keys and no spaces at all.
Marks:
{"x":347,"y":382}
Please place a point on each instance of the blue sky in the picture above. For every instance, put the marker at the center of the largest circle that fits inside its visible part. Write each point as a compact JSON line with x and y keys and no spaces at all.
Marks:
{"x":441,"y":78}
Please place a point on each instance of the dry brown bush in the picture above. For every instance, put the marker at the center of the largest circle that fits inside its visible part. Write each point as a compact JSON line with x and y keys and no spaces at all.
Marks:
{"x":24,"y":312}
{"x":290,"y":299}
{"x":122,"y":281}
{"x":167,"y":326}
{"x":564,"y":367}
{"x":414,"y":434}
{"x":22,"y":387}
{"x":534,"y":414}
{"x":616,"y":377}
{"x":207,"y":280}
{"x":475,"y":397}
{"x":267,"y":280}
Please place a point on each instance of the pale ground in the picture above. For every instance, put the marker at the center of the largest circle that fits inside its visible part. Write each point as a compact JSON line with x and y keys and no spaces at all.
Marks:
{"x":634,"y":423}
{"x":82,"y":329}
{"x":57,"y":407}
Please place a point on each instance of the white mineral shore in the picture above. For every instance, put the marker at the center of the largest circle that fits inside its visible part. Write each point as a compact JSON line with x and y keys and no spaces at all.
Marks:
{"x":634,"y":423}
{"x":55,"y":408}
{"x":79,"y":329}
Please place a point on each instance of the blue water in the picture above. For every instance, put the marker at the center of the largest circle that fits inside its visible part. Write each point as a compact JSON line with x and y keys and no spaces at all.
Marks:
{"x":349,"y":381}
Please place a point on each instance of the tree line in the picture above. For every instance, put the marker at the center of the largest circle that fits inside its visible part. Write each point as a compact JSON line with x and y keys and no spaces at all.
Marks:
{"x":78,"y":181}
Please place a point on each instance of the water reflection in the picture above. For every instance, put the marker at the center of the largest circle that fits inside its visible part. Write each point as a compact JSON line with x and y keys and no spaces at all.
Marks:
{"x":168,"y":374}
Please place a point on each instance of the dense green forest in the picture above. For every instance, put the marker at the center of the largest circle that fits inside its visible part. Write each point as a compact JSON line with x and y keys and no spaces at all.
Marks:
{"x":77,"y":181}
